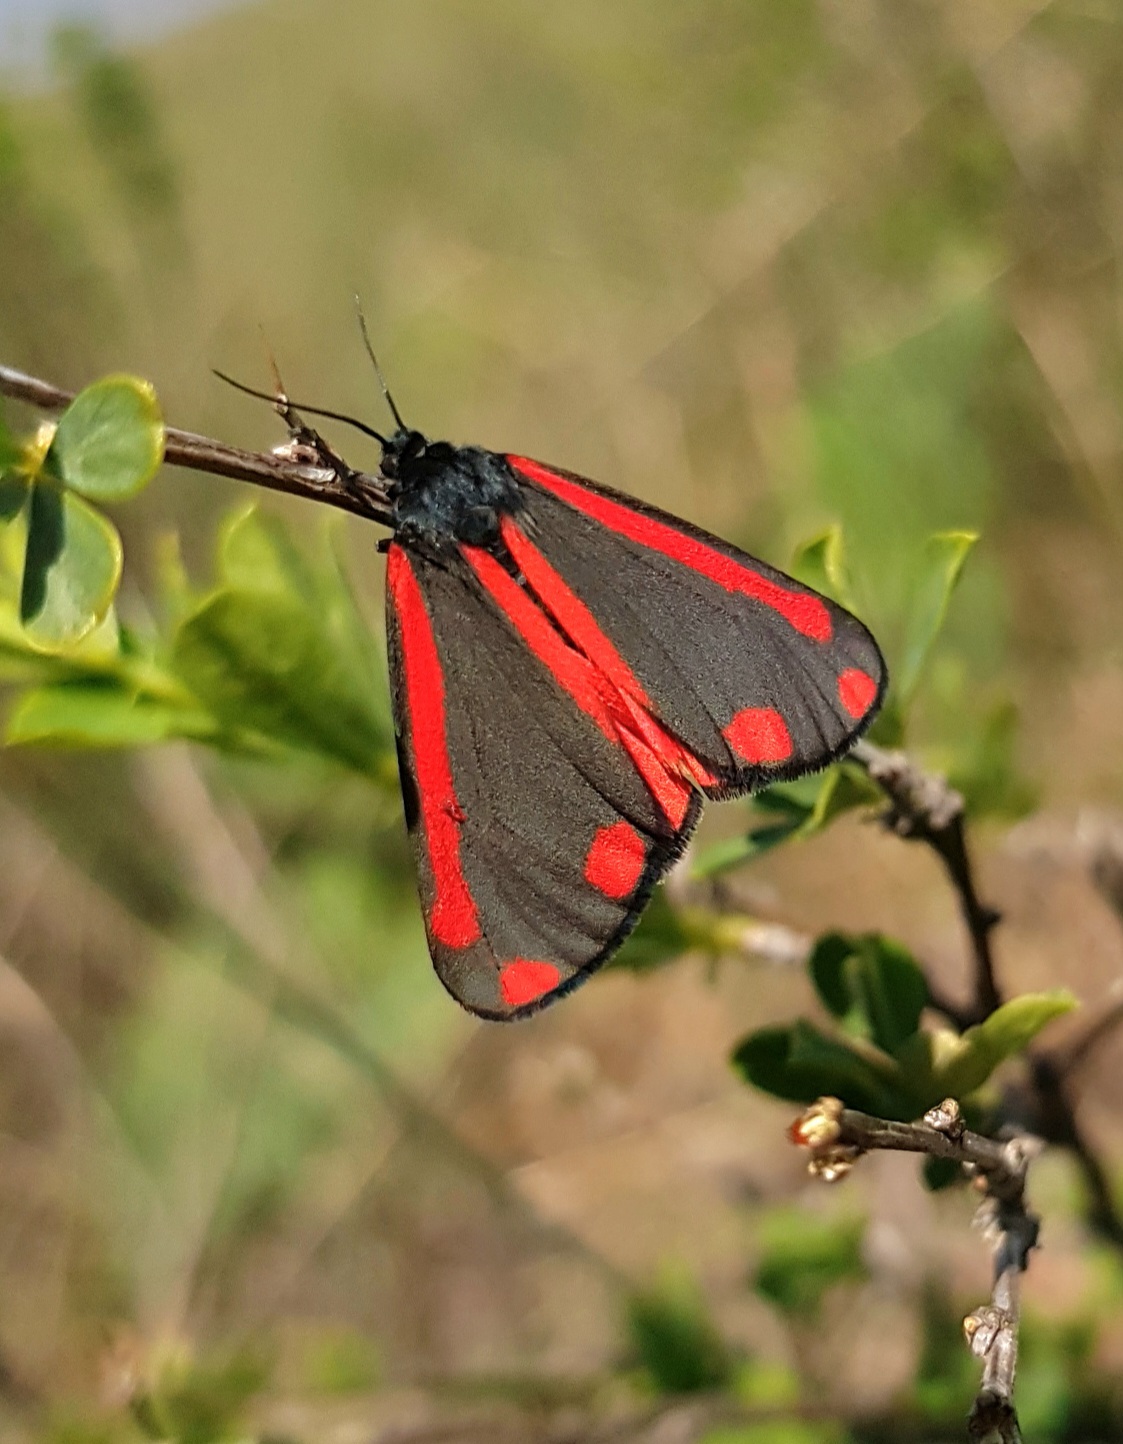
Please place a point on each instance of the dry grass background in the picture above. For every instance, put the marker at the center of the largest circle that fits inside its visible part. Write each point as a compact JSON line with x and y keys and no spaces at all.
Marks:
{"x":767,"y":265}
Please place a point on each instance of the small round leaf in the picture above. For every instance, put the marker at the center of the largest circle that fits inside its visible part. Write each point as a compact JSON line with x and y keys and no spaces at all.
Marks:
{"x":110,"y":439}
{"x":71,"y":568}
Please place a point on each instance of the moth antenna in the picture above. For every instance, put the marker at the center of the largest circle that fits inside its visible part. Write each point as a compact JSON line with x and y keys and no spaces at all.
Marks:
{"x":241,"y":386}
{"x":377,"y":368}
{"x":283,"y":400}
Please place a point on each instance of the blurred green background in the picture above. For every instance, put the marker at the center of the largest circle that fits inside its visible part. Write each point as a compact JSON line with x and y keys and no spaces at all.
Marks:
{"x":773,"y":266}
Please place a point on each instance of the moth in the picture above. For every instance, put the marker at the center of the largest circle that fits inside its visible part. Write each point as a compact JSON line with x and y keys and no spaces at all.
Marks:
{"x":573,"y":674}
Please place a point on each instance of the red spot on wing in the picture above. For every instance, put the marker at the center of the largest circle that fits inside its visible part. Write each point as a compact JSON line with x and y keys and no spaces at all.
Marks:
{"x":453,"y":919}
{"x":807,"y":614}
{"x":759,"y":734}
{"x":856,"y":691}
{"x":524,"y":981}
{"x":616,"y":860}
{"x":591,"y":671}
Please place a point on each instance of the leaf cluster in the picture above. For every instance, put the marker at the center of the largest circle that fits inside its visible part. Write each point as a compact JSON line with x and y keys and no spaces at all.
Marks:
{"x":877,"y":1055}
{"x":65,"y":553}
{"x":275,"y":656}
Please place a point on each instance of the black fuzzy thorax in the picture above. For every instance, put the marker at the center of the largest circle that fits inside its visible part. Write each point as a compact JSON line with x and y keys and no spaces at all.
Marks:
{"x":443,"y":495}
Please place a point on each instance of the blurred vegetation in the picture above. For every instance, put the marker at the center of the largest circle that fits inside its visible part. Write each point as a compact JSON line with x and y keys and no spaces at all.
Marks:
{"x":841,"y":282}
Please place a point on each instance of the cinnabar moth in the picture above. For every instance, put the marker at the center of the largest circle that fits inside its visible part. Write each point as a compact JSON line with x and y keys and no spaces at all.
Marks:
{"x":573,"y":671}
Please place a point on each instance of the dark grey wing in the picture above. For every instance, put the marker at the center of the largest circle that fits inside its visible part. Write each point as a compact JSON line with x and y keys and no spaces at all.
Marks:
{"x":760,"y":677}
{"x":537,"y":839}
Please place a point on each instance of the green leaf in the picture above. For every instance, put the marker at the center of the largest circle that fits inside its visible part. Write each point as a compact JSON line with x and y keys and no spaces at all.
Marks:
{"x":675,"y":1338}
{"x":803,"y":812}
{"x":262,"y":661}
{"x":790,"y":799}
{"x":944,"y":558}
{"x":821,"y":563}
{"x":14,"y":491}
{"x":100,"y":715}
{"x":872,"y":981}
{"x":257,"y":553}
{"x":827,"y":966}
{"x":71,"y":568}
{"x":803,"y":1258}
{"x":665,"y":932}
{"x":173,"y":587}
{"x":841,"y":789}
{"x":737,"y":850}
{"x":110,"y":439}
{"x":917,"y":1058}
{"x":892,"y":992}
{"x":974,"y":1057}
{"x":95,"y":656}
{"x":799,"y":1063}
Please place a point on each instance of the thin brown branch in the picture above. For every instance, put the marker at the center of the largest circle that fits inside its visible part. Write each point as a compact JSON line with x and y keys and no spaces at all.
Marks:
{"x":924,"y":808}
{"x":283,"y":470}
{"x":828,"y":1125}
{"x":1054,"y":1119}
{"x":837,"y":1137}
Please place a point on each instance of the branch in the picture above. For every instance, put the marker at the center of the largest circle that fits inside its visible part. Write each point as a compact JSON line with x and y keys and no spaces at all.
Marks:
{"x":838,"y":1136}
{"x":924,"y":808}
{"x":1054,"y":1118}
{"x":286,"y":469}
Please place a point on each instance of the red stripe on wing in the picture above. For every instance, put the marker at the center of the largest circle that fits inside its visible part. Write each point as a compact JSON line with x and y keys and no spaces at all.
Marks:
{"x":602,"y":685}
{"x":570,"y":612}
{"x":668,"y":788}
{"x":453,"y":920}
{"x":807,"y":614}
{"x":573,"y":672}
